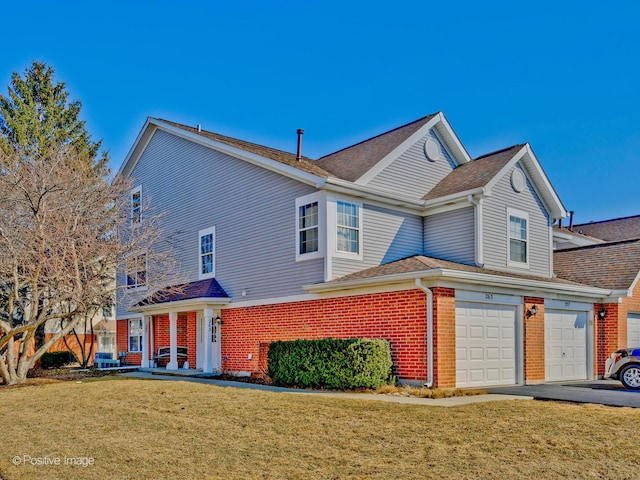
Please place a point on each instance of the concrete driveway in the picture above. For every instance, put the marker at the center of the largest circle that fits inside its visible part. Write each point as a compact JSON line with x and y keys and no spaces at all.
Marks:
{"x":603,"y":392}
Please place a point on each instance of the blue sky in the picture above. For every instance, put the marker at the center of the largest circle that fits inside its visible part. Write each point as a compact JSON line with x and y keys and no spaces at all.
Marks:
{"x":563,"y":76}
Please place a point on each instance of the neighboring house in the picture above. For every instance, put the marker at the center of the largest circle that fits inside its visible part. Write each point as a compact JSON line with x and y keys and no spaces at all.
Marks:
{"x":103,"y":336}
{"x":607,"y":254}
{"x":402,"y":237}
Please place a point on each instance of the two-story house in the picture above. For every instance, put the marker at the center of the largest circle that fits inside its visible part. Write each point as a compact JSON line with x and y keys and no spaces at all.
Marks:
{"x":402,"y":237}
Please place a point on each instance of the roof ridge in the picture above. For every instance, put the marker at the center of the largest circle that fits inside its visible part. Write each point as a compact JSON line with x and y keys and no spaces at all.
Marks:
{"x":599,"y":245}
{"x":195,"y":130}
{"x":380,"y":135}
{"x":604,"y":221}
{"x":502,"y":150}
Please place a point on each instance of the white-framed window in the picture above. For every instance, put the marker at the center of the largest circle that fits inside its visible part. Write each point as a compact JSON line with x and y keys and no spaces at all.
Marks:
{"x":135,"y":335}
{"x":136,"y":204}
{"x":310,"y":226}
{"x":348,"y":227}
{"x":137,"y":271}
{"x":518,"y":238}
{"x":207,"y":253}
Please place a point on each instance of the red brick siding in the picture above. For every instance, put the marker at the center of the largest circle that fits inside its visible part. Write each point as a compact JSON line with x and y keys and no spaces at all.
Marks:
{"x":534,"y":341}
{"x":399,"y":317}
{"x":444,"y":319}
{"x":122,"y":340}
{"x":74,"y":345}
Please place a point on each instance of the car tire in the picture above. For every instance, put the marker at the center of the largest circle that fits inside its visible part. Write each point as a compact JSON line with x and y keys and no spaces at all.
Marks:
{"x":630,"y":376}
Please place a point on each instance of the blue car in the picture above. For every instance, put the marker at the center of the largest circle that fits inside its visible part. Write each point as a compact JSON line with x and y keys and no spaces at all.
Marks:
{"x":624,"y":365}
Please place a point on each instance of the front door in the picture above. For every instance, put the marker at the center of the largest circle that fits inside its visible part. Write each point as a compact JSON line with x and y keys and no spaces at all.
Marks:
{"x":214,"y":341}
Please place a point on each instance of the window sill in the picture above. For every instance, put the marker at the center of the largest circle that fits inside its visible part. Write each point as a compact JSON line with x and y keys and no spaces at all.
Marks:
{"x":301,"y":257}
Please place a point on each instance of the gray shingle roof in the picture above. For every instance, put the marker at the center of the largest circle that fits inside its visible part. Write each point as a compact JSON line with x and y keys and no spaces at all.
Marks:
{"x":613,"y":230}
{"x":306,"y":164}
{"x":612,"y":265}
{"x":474,"y":174}
{"x":420,"y":263}
{"x":352,"y":162}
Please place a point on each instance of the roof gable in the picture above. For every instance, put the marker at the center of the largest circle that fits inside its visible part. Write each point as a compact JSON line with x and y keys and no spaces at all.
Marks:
{"x":361,"y":162}
{"x":483,"y":173}
{"x":473,"y":175}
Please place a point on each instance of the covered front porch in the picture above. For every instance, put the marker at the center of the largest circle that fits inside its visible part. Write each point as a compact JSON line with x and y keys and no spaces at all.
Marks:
{"x":181,"y":331}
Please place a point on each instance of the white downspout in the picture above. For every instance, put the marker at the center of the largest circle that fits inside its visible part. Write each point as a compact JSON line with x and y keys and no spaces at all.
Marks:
{"x":420,"y":285}
{"x":479,"y":233}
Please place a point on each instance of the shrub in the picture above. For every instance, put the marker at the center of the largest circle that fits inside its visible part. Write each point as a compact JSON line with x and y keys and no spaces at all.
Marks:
{"x":57,"y":359}
{"x":330,"y":363}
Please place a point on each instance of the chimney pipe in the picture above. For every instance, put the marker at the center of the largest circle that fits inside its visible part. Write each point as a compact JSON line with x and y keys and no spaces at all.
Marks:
{"x":199,"y":127}
{"x":571,"y":220}
{"x":560,"y":223}
{"x":299,"y":154}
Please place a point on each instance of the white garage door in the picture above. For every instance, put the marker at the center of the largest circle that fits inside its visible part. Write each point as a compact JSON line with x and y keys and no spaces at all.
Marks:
{"x":633,"y":330}
{"x":485,"y":344}
{"x":565,"y":345}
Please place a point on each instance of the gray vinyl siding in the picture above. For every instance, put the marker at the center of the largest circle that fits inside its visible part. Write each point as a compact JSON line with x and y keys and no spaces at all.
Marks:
{"x":252,"y":209}
{"x":451,"y":236}
{"x":411,"y":173}
{"x":388,"y":235}
{"x":495,"y":227}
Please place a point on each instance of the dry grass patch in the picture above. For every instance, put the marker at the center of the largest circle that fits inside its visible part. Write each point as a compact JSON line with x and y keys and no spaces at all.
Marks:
{"x":423,"y":392}
{"x":155,"y":429}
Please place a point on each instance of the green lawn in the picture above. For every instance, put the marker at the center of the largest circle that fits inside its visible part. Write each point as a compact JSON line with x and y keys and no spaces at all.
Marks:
{"x":180,"y":430}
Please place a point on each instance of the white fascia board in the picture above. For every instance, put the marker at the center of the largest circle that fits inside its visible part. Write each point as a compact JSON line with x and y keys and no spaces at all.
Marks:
{"x":515,"y":159}
{"x":442,"y":126}
{"x":464,"y":277}
{"x":145,"y":134}
{"x":479,"y":191}
{"x":252,"y":158}
{"x":541,"y":185}
{"x":633,"y":285}
{"x":376,"y":194}
{"x":396,"y":152}
{"x":166,"y":307}
{"x":445,"y":129}
{"x":577,"y":240}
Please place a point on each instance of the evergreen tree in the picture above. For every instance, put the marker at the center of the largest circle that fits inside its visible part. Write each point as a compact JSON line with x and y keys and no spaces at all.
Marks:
{"x":37,"y":115}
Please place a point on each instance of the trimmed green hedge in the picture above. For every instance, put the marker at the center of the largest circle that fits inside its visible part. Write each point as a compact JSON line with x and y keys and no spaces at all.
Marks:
{"x":57,"y":359}
{"x":330,"y":363}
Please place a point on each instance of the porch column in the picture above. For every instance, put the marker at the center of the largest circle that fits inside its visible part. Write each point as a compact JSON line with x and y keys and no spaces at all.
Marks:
{"x":173,"y":341}
{"x":207,"y":366}
{"x":145,"y":342}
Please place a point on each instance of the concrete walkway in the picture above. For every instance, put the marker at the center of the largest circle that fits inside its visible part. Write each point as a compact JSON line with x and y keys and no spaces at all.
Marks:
{"x":441,"y":402}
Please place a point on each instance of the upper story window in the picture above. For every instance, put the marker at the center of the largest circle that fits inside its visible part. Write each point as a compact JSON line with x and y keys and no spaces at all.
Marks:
{"x":136,"y":204}
{"x":206,"y":259}
{"x":348,"y":227}
{"x":518,"y":238}
{"x":308,"y":228}
{"x":137,"y":271}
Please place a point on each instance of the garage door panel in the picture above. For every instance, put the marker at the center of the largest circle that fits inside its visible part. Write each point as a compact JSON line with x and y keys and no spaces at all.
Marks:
{"x":476,"y":332}
{"x":493,"y":353}
{"x":476,"y":353}
{"x":485,"y":344}
{"x":565,"y":345}
{"x":633,"y":330}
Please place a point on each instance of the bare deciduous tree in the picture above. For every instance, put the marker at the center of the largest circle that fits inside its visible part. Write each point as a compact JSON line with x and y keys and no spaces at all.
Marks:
{"x":65,"y":230}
